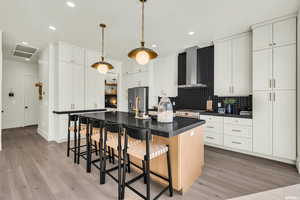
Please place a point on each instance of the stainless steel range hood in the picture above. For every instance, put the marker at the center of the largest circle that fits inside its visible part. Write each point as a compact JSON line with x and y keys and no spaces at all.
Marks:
{"x":192,"y":69}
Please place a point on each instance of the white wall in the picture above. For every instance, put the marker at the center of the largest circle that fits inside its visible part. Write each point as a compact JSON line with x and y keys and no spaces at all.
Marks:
{"x":13,"y":79}
{"x":0,"y":89}
{"x":298,"y":95}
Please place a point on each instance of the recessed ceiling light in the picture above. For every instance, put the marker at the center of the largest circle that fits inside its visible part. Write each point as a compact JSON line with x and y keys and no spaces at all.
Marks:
{"x":27,"y":59}
{"x":191,"y":33}
{"x":52,"y":28}
{"x":70,"y":4}
{"x":154,"y":45}
{"x":25,"y":43}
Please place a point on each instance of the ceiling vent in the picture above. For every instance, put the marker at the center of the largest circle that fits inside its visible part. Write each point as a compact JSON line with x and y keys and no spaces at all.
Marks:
{"x":24,"y":51}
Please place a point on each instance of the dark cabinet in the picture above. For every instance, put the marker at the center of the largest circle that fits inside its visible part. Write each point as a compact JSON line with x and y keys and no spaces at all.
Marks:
{"x":205,"y":66}
{"x":182,"y":69}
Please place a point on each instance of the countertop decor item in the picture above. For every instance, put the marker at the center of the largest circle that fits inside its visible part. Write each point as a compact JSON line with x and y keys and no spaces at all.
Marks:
{"x":102,"y":66}
{"x":228,"y":104}
{"x":165,"y":111}
{"x":142,"y":54}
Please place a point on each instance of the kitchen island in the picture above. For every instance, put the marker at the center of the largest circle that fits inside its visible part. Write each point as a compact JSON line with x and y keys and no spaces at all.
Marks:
{"x":184,"y":137}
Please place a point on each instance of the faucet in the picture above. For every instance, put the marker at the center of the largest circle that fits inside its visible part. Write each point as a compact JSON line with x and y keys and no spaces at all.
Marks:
{"x":137,"y":103}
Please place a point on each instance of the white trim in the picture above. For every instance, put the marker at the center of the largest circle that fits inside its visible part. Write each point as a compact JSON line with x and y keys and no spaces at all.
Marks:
{"x":292,"y":15}
{"x":1,"y":60}
{"x":43,"y":133}
{"x":293,"y":162}
{"x":298,"y":164}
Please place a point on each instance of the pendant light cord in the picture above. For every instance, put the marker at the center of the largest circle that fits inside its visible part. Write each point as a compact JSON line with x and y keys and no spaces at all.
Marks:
{"x":102,"y":50}
{"x":143,"y":21}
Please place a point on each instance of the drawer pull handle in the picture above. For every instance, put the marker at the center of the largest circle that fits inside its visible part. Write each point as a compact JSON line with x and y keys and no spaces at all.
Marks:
{"x":210,"y":127}
{"x":208,"y":137}
{"x":236,"y":142}
{"x":236,"y":130}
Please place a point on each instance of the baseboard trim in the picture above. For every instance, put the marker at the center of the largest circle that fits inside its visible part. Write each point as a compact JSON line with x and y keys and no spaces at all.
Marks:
{"x":291,"y":162}
{"x":298,"y":164}
{"x":43,"y":133}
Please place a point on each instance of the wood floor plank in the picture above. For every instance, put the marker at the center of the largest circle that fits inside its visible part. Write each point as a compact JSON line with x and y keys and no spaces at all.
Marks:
{"x":32,"y":168}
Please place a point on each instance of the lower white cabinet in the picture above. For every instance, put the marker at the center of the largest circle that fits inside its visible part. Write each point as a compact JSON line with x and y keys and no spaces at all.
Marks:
{"x":240,"y":143}
{"x":284,"y":124}
{"x":274,"y":124}
{"x":213,"y":129}
{"x":213,"y":138}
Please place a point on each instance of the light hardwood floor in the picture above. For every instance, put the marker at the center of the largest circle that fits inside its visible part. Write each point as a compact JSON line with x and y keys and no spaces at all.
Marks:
{"x":31,"y":168}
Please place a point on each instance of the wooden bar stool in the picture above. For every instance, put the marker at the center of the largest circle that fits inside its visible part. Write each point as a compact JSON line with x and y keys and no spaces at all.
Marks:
{"x":145,"y":151}
{"x":73,"y":128}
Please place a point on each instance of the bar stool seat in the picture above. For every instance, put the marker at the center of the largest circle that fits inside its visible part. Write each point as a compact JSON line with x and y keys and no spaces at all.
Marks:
{"x":82,"y":127}
{"x":139,"y":150}
{"x":83,"y":132}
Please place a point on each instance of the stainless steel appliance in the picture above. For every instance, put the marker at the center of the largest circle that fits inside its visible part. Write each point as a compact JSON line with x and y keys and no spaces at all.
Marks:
{"x":142,"y":95}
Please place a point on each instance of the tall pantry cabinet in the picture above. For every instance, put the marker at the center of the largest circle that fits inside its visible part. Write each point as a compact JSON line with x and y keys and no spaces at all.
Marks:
{"x":274,"y":88}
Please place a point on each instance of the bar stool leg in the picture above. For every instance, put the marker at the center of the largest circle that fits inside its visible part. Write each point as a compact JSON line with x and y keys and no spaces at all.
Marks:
{"x":125,"y":162}
{"x":128,"y":164}
{"x":68,"y":145}
{"x":109,"y":154}
{"x":103,"y":168}
{"x":79,"y":144}
{"x":144,"y":171}
{"x":147,"y":158}
{"x":88,"y":149}
{"x":170,"y":174}
{"x":75,"y":144}
{"x":119,"y":166}
{"x":101,"y":149}
{"x":96,"y":148}
{"x":113,"y":155}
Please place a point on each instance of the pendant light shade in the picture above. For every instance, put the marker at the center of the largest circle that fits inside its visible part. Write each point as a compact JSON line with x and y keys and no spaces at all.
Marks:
{"x":102,"y":66}
{"x":142,"y":54}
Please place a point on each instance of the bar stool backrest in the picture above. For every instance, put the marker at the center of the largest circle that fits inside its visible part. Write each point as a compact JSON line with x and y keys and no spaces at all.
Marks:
{"x":73,"y":118}
{"x":113,"y":127}
{"x":97,"y":124}
{"x":83,"y":120}
{"x":138,"y":133}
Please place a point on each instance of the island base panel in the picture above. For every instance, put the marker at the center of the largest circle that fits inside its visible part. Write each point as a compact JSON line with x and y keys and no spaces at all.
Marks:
{"x":187,"y":159}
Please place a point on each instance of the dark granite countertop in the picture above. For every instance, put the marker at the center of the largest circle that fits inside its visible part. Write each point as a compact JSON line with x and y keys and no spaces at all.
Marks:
{"x":226,"y":115}
{"x":77,"y":111}
{"x":168,"y":130}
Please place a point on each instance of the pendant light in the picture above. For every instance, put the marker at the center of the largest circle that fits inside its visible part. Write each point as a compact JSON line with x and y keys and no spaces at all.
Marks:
{"x":102,"y":66}
{"x":142,"y":54}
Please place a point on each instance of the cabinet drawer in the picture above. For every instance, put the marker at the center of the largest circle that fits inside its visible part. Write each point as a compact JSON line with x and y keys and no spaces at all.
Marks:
{"x":238,"y":143}
{"x":209,"y":119}
{"x":236,"y":130}
{"x":213,"y":138}
{"x":238,"y":121}
{"x":213,"y":127}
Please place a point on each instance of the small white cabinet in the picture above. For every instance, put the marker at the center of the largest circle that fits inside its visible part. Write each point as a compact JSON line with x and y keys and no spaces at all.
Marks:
{"x":275,"y":34}
{"x":232,"y":71}
{"x":70,"y":53}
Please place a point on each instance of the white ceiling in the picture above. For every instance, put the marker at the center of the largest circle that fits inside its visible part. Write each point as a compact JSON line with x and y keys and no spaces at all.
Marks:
{"x":167,"y":22}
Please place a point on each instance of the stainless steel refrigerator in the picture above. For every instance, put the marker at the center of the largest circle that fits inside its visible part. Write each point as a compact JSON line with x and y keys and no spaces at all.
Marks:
{"x":143,"y":94}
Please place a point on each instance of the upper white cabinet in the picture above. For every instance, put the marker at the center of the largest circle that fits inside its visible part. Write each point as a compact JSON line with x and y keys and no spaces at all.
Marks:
{"x":165,"y":76}
{"x":223,"y":68}
{"x":263,"y":37}
{"x":275,"y":34}
{"x":233,"y":66}
{"x":70,"y":53}
{"x":284,"y":32}
{"x":94,"y":84}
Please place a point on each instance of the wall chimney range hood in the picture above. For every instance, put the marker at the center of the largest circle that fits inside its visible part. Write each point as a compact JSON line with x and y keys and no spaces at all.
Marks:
{"x":192,"y":80}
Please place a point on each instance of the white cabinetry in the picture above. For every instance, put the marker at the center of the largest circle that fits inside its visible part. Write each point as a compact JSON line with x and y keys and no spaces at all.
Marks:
{"x":94,"y":84}
{"x":274,"y":85}
{"x":233,"y":66}
{"x":213,"y":130}
{"x":70,"y":53}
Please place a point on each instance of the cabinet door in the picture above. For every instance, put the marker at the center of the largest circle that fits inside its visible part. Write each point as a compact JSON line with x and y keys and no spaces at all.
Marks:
{"x":284,"y":67}
{"x":241,"y":66}
{"x":284,"y":32}
{"x":284,"y":125}
{"x":262,"y":37}
{"x":223,"y":68}
{"x":65,"y":86}
{"x":262,"y":70}
{"x":262,"y":123}
{"x":78,"y":55}
{"x":65,"y":52}
{"x":94,"y":89}
{"x":78,"y":86}
{"x":182,"y":69}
